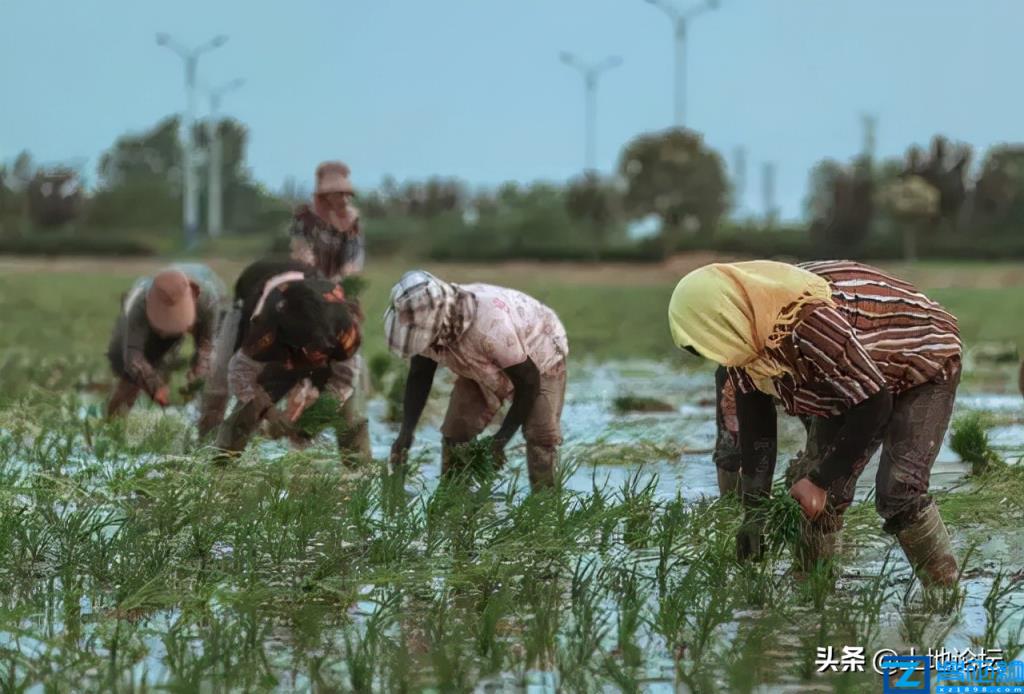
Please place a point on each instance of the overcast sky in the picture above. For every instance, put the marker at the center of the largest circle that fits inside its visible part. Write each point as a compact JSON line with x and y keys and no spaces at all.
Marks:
{"x":474,"y":88}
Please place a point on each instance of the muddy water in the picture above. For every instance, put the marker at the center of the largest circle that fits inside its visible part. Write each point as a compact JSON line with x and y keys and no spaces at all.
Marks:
{"x":677,"y":444}
{"x":678,"y":449}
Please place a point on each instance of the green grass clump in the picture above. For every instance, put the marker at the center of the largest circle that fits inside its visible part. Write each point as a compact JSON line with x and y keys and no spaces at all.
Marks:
{"x":354,"y":286}
{"x":784,"y":518}
{"x":474,"y":459}
{"x":636,"y":403}
{"x":380,"y":365}
{"x":323,"y":414}
{"x":970,"y":442}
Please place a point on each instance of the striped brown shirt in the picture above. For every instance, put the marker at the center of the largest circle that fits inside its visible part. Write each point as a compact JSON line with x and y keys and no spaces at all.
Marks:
{"x":882,"y":333}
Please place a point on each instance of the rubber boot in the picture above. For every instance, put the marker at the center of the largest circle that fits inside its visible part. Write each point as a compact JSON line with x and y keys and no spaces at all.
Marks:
{"x":211,"y":412}
{"x":237,"y":429}
{"x":928,"y":549}
{"x":540,"y":463}
{"x":354,"y":434}
{"x":354,"y":437}
{"x":728,"y":482}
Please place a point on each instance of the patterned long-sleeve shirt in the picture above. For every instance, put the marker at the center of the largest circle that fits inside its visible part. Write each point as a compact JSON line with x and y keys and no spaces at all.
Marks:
{"x":136,"y":350}
{"x":262,"y":346}
{"x":336,"y":253}
{"x":508,"y":328}
{"x":882,"y":333}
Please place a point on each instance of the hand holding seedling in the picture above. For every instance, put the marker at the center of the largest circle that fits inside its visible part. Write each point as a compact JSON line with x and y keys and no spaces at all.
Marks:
{"x":162,"y":396}
{"x":299,"y":400}
{"x":812,"y":498}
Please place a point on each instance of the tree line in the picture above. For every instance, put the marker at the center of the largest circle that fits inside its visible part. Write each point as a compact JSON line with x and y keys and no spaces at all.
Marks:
{"x":671,"y":180}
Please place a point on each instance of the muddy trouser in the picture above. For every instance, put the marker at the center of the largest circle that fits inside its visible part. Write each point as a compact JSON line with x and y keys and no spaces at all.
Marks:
{"x":910,"y":444}
{"x":469,"y":413}
{"x":215,"y":390}
{"x":355,"y":435}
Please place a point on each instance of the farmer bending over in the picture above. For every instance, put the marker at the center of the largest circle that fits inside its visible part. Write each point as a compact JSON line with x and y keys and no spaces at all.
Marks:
{"x":155,"y":316}
{"x":501,"y":344}
{"x":298,"y":330}
{"x":868,"y":357}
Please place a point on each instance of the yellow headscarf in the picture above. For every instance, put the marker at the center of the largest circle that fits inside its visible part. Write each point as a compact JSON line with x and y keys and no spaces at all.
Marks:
{"x":729,"y":312}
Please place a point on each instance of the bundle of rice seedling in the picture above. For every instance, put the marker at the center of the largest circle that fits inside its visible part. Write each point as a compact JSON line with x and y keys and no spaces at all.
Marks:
{"x":784,"y":518}
{"x":636,"y":403}
{"x":474,"y":459}
{"x":970,"y":442}
{"x":380,"y":366}
{"x":353,"y":286}
{"x":323,"y":414}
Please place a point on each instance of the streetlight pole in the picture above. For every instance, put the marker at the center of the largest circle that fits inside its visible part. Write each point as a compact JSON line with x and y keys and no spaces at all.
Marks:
{"x":190,"y":192}
{"x":214,"y":203}
{"x":590,"y":73}
{"x":680,"y":19}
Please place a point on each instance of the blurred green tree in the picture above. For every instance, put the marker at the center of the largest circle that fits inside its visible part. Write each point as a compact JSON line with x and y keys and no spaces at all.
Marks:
{"x":999,"y":191}
{"x":139,"y":183}
{"x":674,"y":175}
{"x":152,"y":156}
{"x":54,"y":197}
{"x":596,"y":204}
{"x":841,"y":204}
{"x":945,"y":169}
{"x":914,"y":203}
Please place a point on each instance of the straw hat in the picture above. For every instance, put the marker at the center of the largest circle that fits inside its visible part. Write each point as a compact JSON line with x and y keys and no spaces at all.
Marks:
{"x":170,"y":303}
{"x":333,"y":177}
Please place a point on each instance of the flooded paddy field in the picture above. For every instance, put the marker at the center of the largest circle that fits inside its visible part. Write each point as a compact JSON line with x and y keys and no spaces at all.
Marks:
{"x":132,"y":562}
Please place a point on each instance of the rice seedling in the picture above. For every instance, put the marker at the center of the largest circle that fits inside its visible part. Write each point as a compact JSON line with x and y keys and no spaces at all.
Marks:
{"x":970,"y":442}
{"x":131,"y":563}
{"x":627,"y":587}
{"x":784,"y":520}
{"x":323,"y":414}
{"x":473,"y":460}
{"x":379,"y":366}
{"x":624,"y":404}
{"x":1003,"y":624}
{"x":638,"y":500}
{"x":582,"y":642}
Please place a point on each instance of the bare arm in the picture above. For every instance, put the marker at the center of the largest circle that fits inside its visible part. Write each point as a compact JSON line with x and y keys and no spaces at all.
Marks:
{"x":525,"y":379}
{"x":860,"y":428}
{"x":137,"y":368}
{"x":417,"y":389}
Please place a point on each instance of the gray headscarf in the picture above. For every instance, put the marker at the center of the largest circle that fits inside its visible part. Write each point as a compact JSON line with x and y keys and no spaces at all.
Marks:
{"x":426,"y":312}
